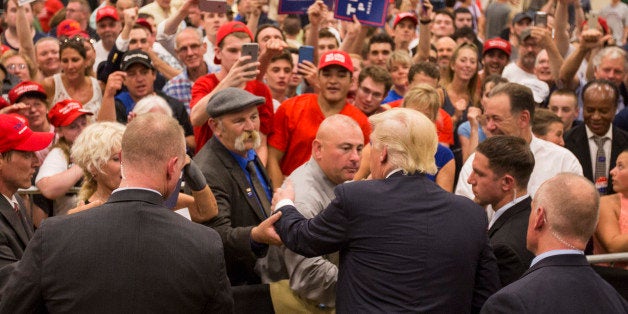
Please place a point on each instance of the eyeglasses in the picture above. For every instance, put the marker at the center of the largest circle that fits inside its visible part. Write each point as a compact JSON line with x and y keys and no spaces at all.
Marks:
{"x":192,"y":47}
{"x":15,"y":66}
{"x":370,"y":92}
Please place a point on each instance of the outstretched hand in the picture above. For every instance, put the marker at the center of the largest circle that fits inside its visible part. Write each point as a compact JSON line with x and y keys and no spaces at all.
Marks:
{"x":265,"y":231}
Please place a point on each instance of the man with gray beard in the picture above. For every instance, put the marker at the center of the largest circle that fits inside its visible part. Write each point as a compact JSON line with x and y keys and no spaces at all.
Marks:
{"x":238,"y":179}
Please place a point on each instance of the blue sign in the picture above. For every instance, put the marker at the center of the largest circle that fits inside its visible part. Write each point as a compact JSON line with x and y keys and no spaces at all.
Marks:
{"x":369,"y":12}
{"x":299,"y":6}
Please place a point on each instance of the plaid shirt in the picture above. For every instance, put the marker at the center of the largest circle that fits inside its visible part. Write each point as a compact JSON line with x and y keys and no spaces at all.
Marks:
{"x":180,"y":88}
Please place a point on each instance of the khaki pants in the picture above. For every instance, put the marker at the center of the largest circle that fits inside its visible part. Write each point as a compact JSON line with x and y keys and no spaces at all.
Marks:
{"x":286,"y":301}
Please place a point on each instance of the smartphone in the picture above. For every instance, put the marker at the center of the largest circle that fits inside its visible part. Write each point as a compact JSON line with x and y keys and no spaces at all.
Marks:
{"x":306,"y":53}
{"x":214,"y":6}
{"x":592,"y":20}
{"x":540,"y":19}
{"x":252,"y":50}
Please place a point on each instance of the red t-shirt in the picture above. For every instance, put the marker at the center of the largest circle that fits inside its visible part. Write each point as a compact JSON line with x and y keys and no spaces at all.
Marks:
{"x":207,"y":83}
{"x":296,"y":123}
{"x":444,"y":125}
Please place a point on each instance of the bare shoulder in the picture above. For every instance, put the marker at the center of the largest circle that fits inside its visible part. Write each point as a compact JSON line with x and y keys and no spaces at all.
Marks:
{"x":610,"y":204}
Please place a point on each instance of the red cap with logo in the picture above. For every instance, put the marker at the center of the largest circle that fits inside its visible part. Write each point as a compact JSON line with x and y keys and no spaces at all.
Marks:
{"x":497,"y":43}
{"x":26,"y":87}
{"x":16,"y":135}
{"x":107,"y":11}
{"x":230,"y":28}
{"x":405,"y":15}
{"x":336,"y":57}
{"x":65,"y":112}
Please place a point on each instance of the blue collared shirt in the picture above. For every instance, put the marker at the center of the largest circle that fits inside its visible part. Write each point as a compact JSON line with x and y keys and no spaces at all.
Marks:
{"x":250,"y":155}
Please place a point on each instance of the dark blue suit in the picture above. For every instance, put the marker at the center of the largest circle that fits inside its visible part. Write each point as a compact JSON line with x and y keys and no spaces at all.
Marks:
{"x":558,"y":284}
{"x":405,"y":245}
{"x":130,"y":255}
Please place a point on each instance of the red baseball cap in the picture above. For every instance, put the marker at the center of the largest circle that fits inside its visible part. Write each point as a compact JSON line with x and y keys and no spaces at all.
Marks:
{"x":26,"y":87}
{"x":497,"y":43}
{"x":230,"y":28}
{"x":107,"y":11}
{"x":70,"y":28}
{"x":602,"y":23}
{"x":65,"y":112}
{"x":405,"y":15}
{"x":16,"y":135}
{"x":336,"y":57}
{"x":144,"y":23}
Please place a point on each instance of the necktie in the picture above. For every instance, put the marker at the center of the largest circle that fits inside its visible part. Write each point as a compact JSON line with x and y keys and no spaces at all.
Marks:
{"x":600,"y":164}
{"x":258,"y":187}
{"x":16,"y":207}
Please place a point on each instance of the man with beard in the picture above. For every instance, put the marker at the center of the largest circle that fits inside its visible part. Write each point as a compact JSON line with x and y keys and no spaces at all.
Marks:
{"x":531,"y":41}
{"x":237,"y":178}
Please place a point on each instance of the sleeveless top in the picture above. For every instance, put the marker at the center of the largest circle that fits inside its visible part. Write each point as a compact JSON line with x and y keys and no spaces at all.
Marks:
{"x":623,"y":229}
{"x":93,"y":105}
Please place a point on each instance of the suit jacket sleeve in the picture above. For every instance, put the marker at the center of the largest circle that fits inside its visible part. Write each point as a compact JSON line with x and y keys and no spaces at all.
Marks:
{"x":237,"y":240}
{"x":7,"y":255}
{"x":323,"y":234}
{"x":486,"y":278}
{"x":221,"y":301}
{"x":22,"y":294}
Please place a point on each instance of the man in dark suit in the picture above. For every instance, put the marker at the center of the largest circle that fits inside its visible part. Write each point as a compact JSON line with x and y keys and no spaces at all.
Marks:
{"x":563,"y":218}
{"x":501,"y":170}
{"x":238,"y":179}
{"x":131,"y":254}
{"x":18,"y":162}
{"x":405,"y":244}
{"x":599,"y":106}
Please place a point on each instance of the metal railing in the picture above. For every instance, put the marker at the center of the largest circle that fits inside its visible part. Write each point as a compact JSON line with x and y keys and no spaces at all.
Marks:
{"x":608,"y":258}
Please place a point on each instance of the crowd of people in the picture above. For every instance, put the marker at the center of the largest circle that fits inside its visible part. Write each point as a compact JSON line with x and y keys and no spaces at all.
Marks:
{"x":464,"y":157}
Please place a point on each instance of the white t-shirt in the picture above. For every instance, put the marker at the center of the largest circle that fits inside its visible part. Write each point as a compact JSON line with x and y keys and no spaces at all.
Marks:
{"x":55,"y":163}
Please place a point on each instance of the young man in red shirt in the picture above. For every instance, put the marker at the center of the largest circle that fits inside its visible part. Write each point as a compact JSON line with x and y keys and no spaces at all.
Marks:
{"x":234,"y":72}
{"x":298,"y":118}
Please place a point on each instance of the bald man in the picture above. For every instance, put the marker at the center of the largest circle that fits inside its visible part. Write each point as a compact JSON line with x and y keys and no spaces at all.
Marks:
{"x":563,"y":218}
{"x":335,"y":159}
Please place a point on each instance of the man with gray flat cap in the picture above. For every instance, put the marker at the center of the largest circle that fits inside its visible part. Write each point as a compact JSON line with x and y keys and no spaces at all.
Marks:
{"x":238,"y":179}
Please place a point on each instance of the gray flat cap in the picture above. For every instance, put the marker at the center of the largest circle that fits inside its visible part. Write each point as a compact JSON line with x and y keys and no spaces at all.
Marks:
{"x":231,"y":99}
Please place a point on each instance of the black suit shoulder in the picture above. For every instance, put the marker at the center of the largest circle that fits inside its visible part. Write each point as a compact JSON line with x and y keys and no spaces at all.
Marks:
{"x":558,"y":284}
{"x":508,"y":239}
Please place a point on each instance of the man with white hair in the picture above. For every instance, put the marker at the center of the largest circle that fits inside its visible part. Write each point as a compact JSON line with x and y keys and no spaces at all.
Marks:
{"x":395,"y":232}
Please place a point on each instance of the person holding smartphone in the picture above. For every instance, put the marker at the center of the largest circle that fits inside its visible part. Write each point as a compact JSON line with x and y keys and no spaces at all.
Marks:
{"x":236,"y":71}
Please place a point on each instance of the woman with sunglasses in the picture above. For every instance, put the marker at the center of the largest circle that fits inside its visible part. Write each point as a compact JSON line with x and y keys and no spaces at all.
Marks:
{"x":74,"y":82}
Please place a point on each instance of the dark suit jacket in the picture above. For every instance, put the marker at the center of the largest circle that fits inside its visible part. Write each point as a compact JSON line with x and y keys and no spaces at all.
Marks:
{"x":129,"y":255}
{"x":577,"y":142}
{"x":405,"y":245}
{"x":14,"y":235}
{"x":558,"y":284}
{"x":238,"y":210}
{"x":508,"y":239}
